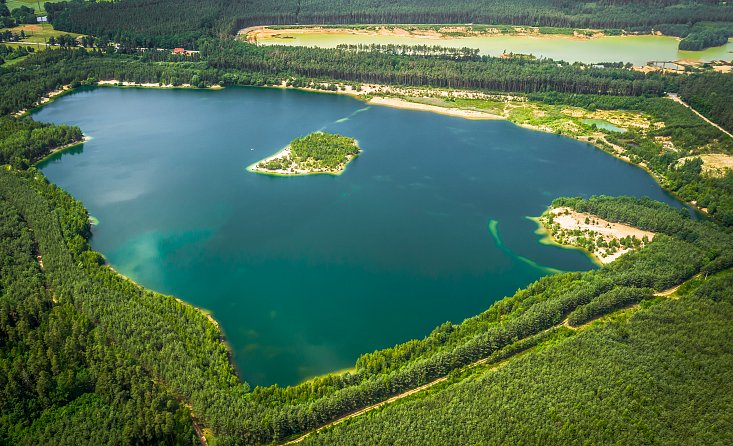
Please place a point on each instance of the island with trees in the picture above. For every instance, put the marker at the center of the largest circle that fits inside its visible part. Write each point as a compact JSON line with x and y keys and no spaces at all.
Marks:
{"x":316,"y":153}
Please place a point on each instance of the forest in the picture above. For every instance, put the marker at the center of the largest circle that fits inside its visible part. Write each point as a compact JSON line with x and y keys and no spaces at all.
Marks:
{"x":22,"y":140}
{"x":168,"y":23}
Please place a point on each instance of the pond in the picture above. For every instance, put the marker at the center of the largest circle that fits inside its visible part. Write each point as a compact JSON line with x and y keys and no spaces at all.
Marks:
{"x":637,"y":50}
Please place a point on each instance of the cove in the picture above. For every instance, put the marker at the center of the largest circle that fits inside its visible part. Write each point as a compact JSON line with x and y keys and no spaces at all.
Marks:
{"x":306,"y":273}
{"x":637,"y":50}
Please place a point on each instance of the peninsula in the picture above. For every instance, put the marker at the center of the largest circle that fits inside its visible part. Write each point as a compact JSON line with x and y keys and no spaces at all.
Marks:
{"x":316,"y":153}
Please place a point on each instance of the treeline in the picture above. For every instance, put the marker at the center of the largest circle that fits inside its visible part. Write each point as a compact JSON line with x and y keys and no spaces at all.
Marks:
{"x":486,"y":73}
{"x":434,"y":51}
{"x":663,"y":376}
{"x":325,"y":149}
{"x":24,"y":140}
{"x":62,"y":381}
{"x":168,"y":23}
{"x":17,"y":16}
{"x":704,"y":39}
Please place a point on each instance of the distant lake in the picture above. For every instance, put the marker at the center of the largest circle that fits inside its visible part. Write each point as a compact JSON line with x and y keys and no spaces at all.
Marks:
{"x":304,"y":274}
{"x":637,"y":50}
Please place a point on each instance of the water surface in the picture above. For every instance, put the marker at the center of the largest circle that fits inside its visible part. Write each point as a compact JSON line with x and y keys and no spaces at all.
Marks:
{"x":637,"y":50}
{"x":306,"y":273}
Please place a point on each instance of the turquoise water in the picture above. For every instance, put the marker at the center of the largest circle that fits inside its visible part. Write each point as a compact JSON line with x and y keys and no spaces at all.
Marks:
{"x":306,"y":273}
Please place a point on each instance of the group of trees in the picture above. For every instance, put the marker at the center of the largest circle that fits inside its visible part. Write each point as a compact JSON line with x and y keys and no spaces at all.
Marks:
{"x":433,"y":51}
{"x":17,"y":16}
{"x":704,"y":39}
{"x":690,"y":136}
{"x":484,"y":73}
{"x":22,"y":140}
{"x":13,"y":52}
{"x":325,"y":150}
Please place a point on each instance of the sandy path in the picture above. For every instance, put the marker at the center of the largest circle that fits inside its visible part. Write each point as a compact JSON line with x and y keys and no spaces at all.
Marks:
{"x":677,"y":99}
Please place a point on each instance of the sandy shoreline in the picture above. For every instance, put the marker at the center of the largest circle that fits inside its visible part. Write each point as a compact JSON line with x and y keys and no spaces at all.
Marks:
{"x":401,"y":103}
{"x":116,"y":83}
{"x":294,"y":171}
{"x":255,"y":33}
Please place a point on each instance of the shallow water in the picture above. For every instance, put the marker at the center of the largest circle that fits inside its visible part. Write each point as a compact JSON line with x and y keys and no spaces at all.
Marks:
{"x":306,"y":273}
{"x":637,"y":50}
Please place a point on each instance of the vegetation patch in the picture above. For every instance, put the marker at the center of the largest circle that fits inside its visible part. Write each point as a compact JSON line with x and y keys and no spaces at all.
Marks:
{"x":318,"y":152}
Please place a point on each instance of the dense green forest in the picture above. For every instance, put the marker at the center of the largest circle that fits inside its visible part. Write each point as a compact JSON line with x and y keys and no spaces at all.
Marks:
{"x":486,"y":73}
{"x":24,"y":139}
{"x":62,"y":380}
{"x":167,"y":23}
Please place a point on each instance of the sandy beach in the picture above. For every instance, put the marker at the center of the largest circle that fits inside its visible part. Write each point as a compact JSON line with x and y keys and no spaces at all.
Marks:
{"x":571,"y":220}
{"x":401,"y":103}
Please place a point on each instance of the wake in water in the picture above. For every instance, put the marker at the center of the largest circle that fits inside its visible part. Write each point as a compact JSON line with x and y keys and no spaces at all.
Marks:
{"x":338,"y":121}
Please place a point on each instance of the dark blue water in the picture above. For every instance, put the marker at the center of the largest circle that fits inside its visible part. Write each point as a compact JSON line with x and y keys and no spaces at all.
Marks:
{"x":306,"y":273}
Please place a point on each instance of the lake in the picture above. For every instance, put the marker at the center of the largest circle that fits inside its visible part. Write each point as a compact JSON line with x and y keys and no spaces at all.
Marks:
{"x":306,"y":273}
{"x":637,"y":50}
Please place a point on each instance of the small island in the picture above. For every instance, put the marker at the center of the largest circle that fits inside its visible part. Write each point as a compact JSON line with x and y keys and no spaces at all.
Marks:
{"x":317,"y":153}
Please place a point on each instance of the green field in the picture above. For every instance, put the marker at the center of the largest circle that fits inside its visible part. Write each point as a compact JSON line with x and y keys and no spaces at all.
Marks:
{"x":37,"y":5}
{"x":37,"y":33}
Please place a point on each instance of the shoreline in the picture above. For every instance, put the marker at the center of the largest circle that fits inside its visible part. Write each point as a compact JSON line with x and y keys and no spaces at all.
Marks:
{"x":547,"y":239}
{"x":127,"y":84}
{"x":71,"y":145}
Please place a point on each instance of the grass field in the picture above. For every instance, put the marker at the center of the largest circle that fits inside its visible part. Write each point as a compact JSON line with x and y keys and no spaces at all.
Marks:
{"x":37,"y":33}
{"x":37,"y":5}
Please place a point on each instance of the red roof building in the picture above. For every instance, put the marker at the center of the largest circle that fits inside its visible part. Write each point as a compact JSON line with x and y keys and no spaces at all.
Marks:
{"x":179,"y":51}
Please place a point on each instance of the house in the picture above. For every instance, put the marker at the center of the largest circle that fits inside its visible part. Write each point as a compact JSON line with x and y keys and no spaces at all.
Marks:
{"x":179,"y":51}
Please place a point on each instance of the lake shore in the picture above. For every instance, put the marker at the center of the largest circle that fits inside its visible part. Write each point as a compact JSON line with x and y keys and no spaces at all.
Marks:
{"x":117,"y":83}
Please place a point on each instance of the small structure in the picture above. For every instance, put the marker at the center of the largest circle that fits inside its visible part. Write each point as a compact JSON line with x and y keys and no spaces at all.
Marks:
{"x":179,"y":51}
{"x":43,"y":19}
